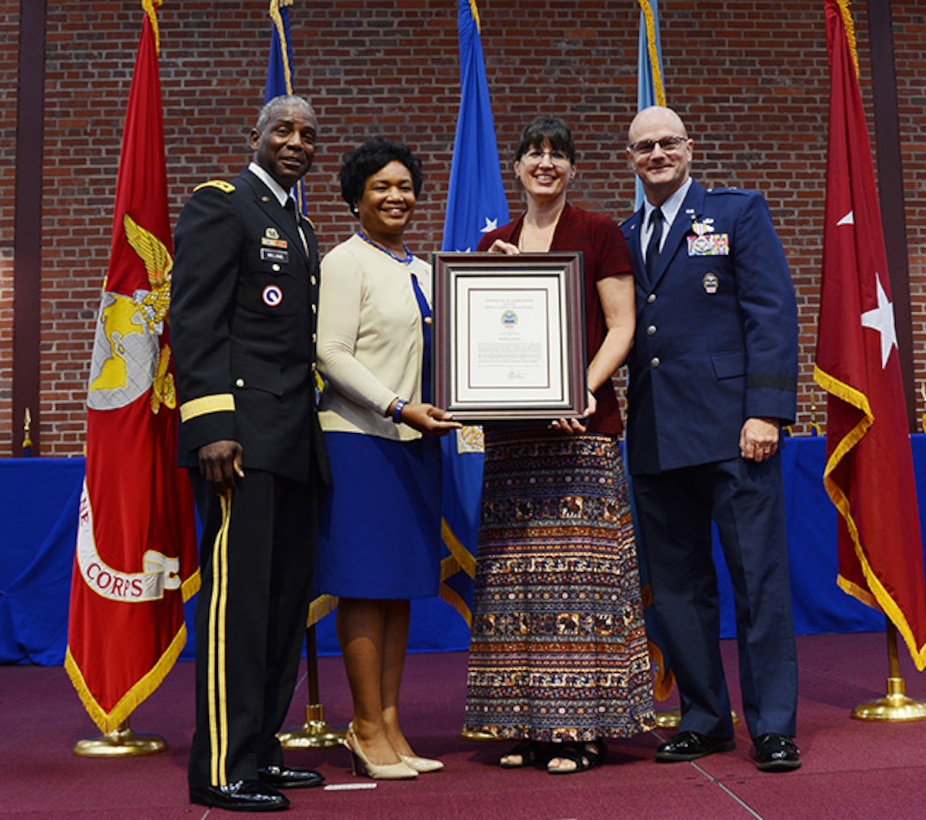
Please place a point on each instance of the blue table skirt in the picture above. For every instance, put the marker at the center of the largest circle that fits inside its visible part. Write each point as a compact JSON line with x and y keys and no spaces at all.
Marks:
{"x":39,"y":503}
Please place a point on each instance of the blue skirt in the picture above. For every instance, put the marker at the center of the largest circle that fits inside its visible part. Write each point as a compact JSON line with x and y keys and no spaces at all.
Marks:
{"x":380,"y":520}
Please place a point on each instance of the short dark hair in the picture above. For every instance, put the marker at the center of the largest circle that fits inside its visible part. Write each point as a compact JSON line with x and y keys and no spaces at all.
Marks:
{"x":359,"y":165}
{"x":547,"y":129}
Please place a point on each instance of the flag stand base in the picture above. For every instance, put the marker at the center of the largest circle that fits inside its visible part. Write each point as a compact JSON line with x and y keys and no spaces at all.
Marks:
{"x":120,"y":742}
{"x":894,"y":707}
{"x":313,"y":734}
{"x":670,"y":718}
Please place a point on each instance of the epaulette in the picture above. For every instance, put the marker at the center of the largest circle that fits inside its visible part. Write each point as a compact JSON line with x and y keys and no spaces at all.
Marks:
{"x":310,"y":223}
{"x":221,"y":184}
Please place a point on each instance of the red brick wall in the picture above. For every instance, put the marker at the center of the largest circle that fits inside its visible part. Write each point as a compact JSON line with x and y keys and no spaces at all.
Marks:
{"x":749,"y":77}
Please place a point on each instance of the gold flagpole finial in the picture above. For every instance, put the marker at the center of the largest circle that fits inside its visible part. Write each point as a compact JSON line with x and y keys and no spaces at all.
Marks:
{"x":27,"y":428}
{"x":814,"y":427}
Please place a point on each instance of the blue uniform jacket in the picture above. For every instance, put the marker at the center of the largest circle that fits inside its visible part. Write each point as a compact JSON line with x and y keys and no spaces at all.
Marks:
{"x":716,"y":333}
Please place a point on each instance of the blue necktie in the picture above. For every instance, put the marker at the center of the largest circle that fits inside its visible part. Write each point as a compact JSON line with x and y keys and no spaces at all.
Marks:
{"x":652,"y":247}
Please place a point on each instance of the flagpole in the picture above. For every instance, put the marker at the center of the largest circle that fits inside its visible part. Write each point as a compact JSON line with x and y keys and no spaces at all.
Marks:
{"x":315,"y":732}
{"x":895,"y":706}
{"x":891,"y":188}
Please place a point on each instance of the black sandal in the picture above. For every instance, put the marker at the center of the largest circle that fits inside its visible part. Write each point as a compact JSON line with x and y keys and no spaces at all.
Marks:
{"x":585,"y":755}
{"x":531,"y":752}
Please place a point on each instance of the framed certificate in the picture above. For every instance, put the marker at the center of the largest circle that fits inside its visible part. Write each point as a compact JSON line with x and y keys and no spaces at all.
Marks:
{"x":509,"y":339}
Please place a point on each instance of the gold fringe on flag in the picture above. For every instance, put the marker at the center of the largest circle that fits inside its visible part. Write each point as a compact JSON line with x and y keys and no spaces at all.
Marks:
{"x":150,"y":8}
{"x":850,"y":30}
{"x":459,"y":560}
{"x":876,"y":596}
{"x":320,"y":607}
{"x":650,"y":20}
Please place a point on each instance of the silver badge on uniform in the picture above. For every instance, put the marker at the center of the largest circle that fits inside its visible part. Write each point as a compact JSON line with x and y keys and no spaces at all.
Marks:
{"x":710,"y":283}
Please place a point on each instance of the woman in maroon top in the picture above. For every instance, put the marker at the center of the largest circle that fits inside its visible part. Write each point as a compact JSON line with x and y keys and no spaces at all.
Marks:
{"x":558,"y":659}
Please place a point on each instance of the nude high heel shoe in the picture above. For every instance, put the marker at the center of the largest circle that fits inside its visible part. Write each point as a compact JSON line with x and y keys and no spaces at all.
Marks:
{"x":422,"y":765}
{"x":361,"y":764}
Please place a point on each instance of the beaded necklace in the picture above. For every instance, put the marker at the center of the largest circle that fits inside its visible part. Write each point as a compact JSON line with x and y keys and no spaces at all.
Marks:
{"x":408,"y":254}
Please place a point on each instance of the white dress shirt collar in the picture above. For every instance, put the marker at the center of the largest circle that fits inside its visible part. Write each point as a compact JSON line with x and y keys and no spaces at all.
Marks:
{"x":270,"y":182}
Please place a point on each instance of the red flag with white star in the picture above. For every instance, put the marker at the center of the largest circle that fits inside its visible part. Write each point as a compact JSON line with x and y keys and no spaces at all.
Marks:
{"x":136,"y":561}
{"x":869,"y":468}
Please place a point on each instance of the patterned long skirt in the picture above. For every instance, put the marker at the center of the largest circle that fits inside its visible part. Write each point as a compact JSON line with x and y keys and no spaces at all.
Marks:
{"x":558,"y":649}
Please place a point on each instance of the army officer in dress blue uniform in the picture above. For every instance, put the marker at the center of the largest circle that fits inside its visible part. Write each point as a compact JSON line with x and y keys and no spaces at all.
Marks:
{"x":713,"y":375}
{"x":243,"y":310}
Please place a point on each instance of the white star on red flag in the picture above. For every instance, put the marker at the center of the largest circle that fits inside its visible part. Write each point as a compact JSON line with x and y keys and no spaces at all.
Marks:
{"x":881,"y":319}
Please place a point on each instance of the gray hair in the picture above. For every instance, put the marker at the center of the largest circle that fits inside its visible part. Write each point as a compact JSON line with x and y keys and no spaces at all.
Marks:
{"x":271,"y":106}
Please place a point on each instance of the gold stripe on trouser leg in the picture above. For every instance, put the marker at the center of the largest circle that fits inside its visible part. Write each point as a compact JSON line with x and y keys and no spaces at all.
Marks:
{"x":218,"y":704}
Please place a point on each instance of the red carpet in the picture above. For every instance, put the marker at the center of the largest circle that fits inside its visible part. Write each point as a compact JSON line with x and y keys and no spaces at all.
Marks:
{"x":852,"y":769}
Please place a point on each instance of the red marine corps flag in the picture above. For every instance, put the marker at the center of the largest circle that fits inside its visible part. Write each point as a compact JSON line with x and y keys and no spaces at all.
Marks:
{"x":136,"y":543}
{"x":869,"y":469}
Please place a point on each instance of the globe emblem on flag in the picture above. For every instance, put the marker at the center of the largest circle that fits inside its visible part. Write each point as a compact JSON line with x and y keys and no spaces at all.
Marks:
{"x":125,"y":353}
{"x":128,"y":358}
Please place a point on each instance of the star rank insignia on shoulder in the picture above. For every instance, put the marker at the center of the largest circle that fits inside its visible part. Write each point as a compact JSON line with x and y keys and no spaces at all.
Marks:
{"x":224,"y":186}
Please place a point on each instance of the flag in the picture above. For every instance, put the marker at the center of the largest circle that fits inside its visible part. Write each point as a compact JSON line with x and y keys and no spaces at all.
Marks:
{"x":476,"y":204}
{"x":280,"y":68}
{"x":136,"y":560}
{"x":280,"y":82}
{"x":869,"y":467}
{"x":650,"y":91}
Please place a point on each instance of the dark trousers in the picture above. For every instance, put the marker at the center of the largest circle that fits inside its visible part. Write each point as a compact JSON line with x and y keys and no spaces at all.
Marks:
{"x":674,"y":512}
{"x":256,"y":563}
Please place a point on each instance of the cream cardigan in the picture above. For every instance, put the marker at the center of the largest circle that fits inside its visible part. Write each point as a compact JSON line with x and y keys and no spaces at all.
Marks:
{"x":370,"y":346}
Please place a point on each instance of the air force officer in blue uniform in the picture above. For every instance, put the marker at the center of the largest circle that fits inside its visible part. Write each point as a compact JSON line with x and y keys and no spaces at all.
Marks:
{"x":713,"y":374}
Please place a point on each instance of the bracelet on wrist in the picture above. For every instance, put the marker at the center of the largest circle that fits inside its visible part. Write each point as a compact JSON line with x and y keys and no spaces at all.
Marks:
{"x":397,"y":411}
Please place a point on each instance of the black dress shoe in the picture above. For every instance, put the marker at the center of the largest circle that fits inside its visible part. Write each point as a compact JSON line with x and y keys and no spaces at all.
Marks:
{"x":242,"y":795}
{"x":691,"y":746}
{"x":776,"y":753}
{"x":283,"y":777}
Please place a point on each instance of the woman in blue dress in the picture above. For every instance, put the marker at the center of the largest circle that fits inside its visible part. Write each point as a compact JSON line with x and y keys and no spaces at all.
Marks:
{"x":379,"y":544}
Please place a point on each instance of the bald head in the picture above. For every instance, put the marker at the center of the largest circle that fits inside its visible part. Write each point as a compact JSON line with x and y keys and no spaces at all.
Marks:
{"x":659,"y":151}
{"x":656,"y":116}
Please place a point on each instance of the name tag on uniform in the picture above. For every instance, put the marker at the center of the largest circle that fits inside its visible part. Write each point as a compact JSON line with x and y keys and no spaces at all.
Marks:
{"x":711,"y":244}
{"x":274,"y":255}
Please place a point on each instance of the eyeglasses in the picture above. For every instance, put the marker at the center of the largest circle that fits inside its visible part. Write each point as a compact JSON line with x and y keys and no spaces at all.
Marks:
{"x":668,"y":144}
{"x":535,"y":156}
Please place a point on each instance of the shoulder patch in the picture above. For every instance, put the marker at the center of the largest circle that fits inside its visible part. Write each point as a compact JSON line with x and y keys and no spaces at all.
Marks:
{"x":221,"y":184}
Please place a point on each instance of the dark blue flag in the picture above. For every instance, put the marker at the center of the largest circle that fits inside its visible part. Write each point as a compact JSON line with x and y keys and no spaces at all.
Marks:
{"x":476,"y":204}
